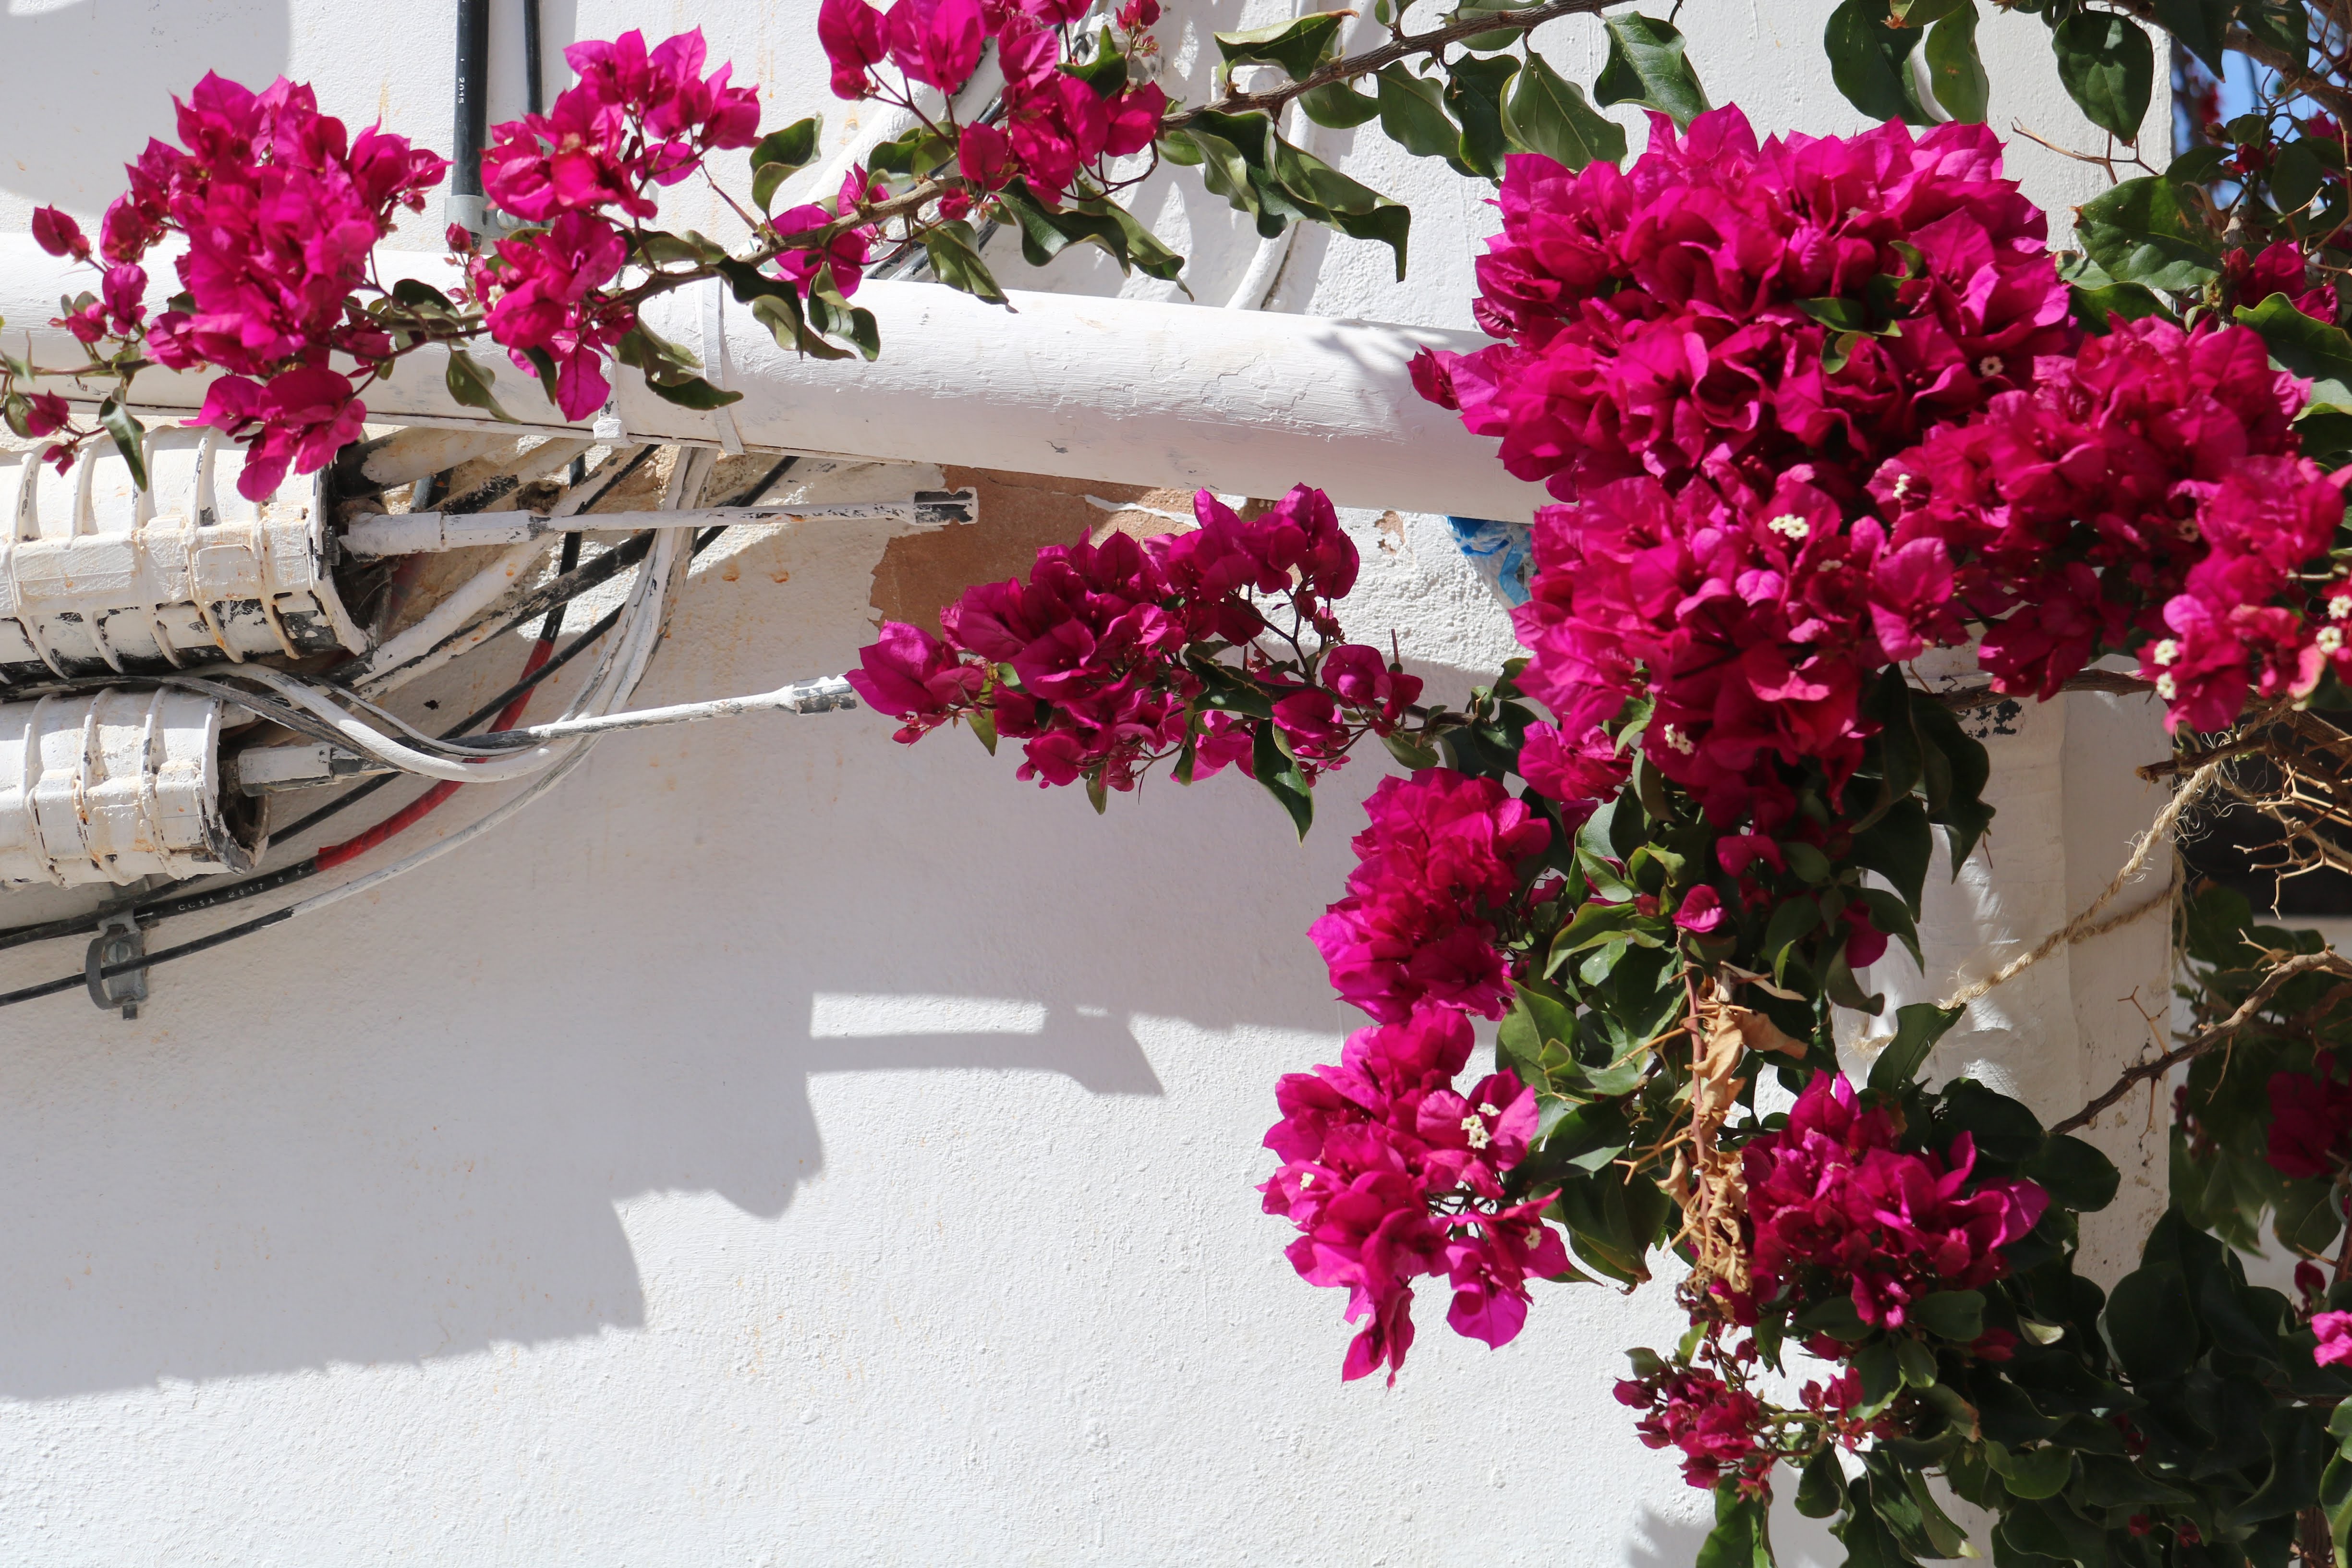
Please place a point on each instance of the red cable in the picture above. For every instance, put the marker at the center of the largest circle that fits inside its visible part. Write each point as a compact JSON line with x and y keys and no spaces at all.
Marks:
{"x":417,"y":810}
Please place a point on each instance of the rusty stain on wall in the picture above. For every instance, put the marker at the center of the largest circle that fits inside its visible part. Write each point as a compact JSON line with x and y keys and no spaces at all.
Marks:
{"x":1019,"y":514}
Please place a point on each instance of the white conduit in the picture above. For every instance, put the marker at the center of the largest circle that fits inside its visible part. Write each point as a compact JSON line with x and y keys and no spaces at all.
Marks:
{"x":1118,"y":391}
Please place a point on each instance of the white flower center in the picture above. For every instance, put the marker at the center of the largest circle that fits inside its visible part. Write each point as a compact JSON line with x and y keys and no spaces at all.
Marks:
{"x":2330,"y":638}
{"x":1678,"y":741}
{"x":1306,"y":1180}
{"x":2339,"y":607}
{"x":1789,"y":525}
{"x":1486,"y":1109}
{"x":1902,"y":486}
{"x":2167,"y":688}
{"x":1990,"y":366}
{"x":2164,"y":652}
{"x":1479,"y":1136}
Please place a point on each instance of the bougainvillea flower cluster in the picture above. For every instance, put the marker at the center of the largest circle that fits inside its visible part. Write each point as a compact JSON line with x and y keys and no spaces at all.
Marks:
{"x":1086,"y":661}
{"x":634,"y":122}
{"x":280,"y":208}
{"x":1757,"y":627}
{"x":2311,"y":1122}
{"x":1442,"y":853}
{"x":1057,"y":126}
{"x":1720,"y":310}
{"x":1714,"y":1425}
{"x":1834,"y":1204}
{"x":1368,"y":1146}
{"x":2145,"y":491}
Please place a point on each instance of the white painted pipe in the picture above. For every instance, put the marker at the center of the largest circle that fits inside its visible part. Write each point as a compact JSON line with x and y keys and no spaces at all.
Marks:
{"x":1121,"y":391}
{"x":419,"y":532}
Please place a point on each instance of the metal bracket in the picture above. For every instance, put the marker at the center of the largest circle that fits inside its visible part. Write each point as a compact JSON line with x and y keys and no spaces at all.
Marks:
{"x":118,"y":940}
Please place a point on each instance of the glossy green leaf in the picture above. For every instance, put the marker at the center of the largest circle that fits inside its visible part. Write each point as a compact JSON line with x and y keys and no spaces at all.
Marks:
{"x":129,"y":437}
{"x":780,"y":155}
{"x":2109,"y":68}
{"x":469,"y":384}
{"x":1647,"y":65}
{"x":1297,"y":47}
{"x":1474,"y":92}
{"x":1737,"y":1540}
{"x":1546,"y":113}
{"x":1957,"y":1315}
{"x":1338,"y":106}
{"x":2315,"y":350}
{"x":2140,"y":232}
{"x":1412,"y":114}
{"x":2199,"y":26}
{"x":1280,"y":776}
{"x":1956,"y":72}
{"x":1869,"y":61}
{"x":954,"y":252}
{"x":1917,"y":1027}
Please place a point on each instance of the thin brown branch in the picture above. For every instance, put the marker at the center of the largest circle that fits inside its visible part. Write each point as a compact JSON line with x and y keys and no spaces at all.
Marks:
{"x":1968,"y":696}
{"x":2204,"y":1040}
{"x":1403,"y":46}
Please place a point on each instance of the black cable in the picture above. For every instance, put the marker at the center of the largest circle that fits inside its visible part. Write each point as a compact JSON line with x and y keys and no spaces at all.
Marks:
{"x":534,"y":87}
{"x":148,"y":960}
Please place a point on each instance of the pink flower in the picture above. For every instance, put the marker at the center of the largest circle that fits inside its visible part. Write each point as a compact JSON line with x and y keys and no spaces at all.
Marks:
{"x":1715,"y":1427}
{"x":2311,"y":1122}
{"x":936,"y":41}
{"x":1833,"y":1206}
{"x":1442,"y":850}
{"x":985,"y":156}
{"x":48,"y":414}
{"x":851,"y":34}
{"x":303,"y":417}
{"x":1369,"y":1147}
{"x":57,"y":234}
{"x":1701,"y":912}
{"x":542,"y":292}
{"x":1577,"y":776}
{"x":2335,"y":1331}
{"x":913,"y":677}
{"x":1360,"y":678}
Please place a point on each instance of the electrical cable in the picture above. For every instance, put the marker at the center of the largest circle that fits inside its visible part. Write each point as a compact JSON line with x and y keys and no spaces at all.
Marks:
{"x":536,"y":670}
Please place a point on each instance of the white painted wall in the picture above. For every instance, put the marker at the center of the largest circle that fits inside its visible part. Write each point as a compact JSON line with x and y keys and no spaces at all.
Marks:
{"x":781,"y":1147}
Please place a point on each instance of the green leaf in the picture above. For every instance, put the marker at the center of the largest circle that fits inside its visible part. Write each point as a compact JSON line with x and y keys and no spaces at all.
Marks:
{"x":1955,"y":70}
{"x":2318,"y":350}
{"x":1917,"y":1027}
{"x":691,"y":392}
{"x":1280,"y":775}
{"x":1297,"y":47}
{"x":2108,"y":69}
{"x":2151,"y":1325}
{"x":983,"y":728}
{"x":1917,"y":1361}
{"x":1957,"y":1315}
{"x":1412,"y":114}
{"x":2199,"y":26}
{"x":1820,"y":1487}
{"x":1338,"y":106}
{"x":2075,"y":1174}
{"x":1737,"y":1540}
{"x":415,"y":291}
{"x":469,"y":384}
{"x":1869,"y":61}
{"x":2140,"y":232}
{"x":2281,"y":24}
{"x":129,"y":437}
{"x":833,"y":315}
{"x":2297,"y":176}
{"x":1647,"y":66}
{"x":1106,"y":70}
{"x":1868,"y":1543}
{"x":1546,"y":113}
{"x":780,"y":314}
{"x":1475,"y":93}
{"x":1045,"y":233}
{"x":2039,"y":1472}
{"x":2095,"y":308}
{"x":954,"y":252}
{"x":780,"y":155}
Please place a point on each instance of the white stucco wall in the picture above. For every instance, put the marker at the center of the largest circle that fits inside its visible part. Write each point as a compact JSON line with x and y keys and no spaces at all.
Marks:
{"x":781,"y":1147}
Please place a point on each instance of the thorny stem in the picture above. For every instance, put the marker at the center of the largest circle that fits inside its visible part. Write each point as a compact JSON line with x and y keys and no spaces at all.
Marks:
{"x":2205,"y":1040}
{"x":1403,"y":46}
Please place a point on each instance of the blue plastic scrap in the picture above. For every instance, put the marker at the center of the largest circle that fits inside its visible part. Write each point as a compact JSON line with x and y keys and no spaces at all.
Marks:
{"x":1501,"y":551}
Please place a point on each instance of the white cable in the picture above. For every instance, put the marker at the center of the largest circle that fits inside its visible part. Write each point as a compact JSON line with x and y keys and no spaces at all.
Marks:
{"x":401,"y":659}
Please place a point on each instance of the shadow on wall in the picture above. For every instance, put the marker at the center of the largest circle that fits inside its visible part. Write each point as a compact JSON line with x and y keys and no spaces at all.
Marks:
{"x":399,"y":1131}
{"x":86,"y":82}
